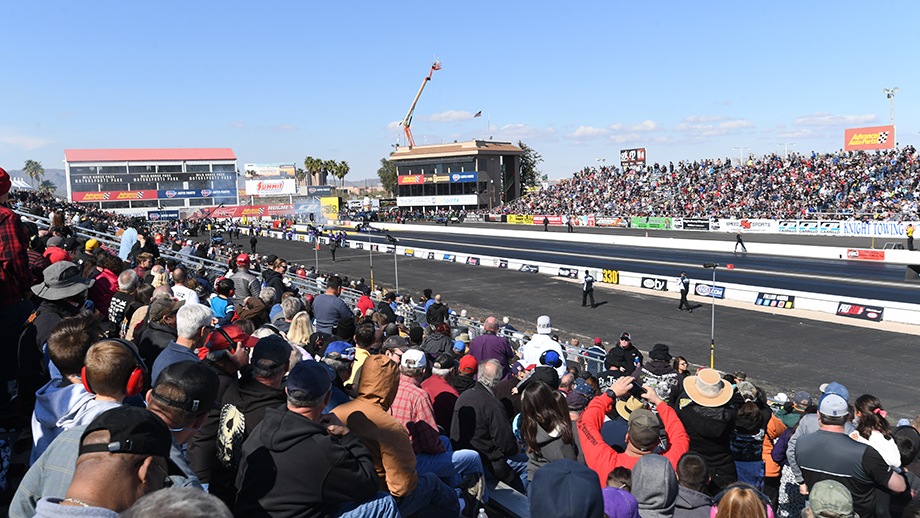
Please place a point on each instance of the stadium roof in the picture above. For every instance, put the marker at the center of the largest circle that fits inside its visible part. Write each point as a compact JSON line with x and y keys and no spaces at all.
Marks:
{"x":147,"y":155}
{"x":472,"y":147}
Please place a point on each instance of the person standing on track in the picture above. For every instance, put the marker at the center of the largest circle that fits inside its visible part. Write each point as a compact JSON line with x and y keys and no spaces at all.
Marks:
{"x":333,"y":246}
{"x":587,"y":290}
{"x":545,"y":224}
{"x":739,"y":241}
{"x":910,"y":236}
{"x":252,"y":243}
{"x":684,"y":291}
{"x":569,"y":224}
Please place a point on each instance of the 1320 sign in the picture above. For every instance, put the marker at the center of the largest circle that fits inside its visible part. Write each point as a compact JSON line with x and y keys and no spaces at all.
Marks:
{"x":611,"y":277}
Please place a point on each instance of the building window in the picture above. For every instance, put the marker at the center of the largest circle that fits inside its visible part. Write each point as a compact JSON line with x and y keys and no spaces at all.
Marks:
{"x":177,"y":168}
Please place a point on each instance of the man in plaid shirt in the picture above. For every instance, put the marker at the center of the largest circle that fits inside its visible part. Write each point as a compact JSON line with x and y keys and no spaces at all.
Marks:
{"x":15,"y":281}
{"x":433,"y":452}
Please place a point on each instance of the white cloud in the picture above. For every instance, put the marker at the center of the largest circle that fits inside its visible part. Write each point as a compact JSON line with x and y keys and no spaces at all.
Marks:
{"x":704,"y":118}
{"x":711,"y":126}
{"x":448,"y":116}
{"x":236,"y":124}
{"x":26,"y":142}
{"x":588,"y":132}
{"x":285,"y":127}
{"x":512,"y":132}
{"x":648,"y":125}
{"x":827,"y":119}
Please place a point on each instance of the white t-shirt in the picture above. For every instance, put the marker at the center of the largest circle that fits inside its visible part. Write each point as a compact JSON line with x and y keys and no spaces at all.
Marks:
{"x":186,"y":294}
{"x":531,"y":351}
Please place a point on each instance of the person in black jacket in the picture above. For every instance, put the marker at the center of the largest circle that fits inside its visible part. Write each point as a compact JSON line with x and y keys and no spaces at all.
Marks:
{"x":437,"y":312}
{"x":274,"y":278}
{"x":272,"y":479}
{"x":384,"y":306}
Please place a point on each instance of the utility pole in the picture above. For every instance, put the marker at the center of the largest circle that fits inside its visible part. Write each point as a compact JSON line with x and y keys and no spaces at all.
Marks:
{"x":786,"y":149}
{"x":741,"y":153}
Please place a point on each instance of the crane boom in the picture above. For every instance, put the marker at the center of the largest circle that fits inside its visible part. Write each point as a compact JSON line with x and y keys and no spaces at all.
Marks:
{"x":408,"y":120}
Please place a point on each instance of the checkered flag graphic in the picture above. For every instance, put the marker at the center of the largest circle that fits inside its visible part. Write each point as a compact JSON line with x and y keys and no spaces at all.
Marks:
{"x":140,"y":194}
{"x":106,"y":196}
{"x":882,"y":137}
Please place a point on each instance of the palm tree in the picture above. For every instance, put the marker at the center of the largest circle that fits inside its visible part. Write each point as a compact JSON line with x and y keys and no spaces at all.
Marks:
{"x":47,"y":186}
{"x":313,"y":166}
{"x":341,"y":171}
{"x":33,"y":170}
{"x":329,"y":167}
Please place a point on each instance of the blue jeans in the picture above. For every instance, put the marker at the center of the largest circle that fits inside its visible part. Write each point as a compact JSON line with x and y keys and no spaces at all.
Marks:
{"x":381,"y":506}
{"x":451,"y":465}
{"x":432,"y":498}
{"x":518,"y":464}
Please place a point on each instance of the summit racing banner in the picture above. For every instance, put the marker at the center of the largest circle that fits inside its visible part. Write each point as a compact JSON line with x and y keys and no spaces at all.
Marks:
{"x":114,"y":196}
{"x":875,"y":137}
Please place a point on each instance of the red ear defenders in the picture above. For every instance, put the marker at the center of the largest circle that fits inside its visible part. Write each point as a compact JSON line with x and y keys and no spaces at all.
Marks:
{"x":226,"y":336}
{"x":137,"y":381}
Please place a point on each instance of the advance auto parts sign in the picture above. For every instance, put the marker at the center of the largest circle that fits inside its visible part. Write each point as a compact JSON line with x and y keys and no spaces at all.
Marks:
{"x":848,"y":309}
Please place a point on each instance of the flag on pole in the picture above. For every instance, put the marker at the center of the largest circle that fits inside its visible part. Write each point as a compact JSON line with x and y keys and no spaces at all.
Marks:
{"x":478,"y":114}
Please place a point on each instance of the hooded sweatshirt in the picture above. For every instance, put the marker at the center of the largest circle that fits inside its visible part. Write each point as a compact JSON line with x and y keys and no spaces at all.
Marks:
{"x":340,"y":469}
{"x":368,"y":418}
{"x":654,"y":484}
{"x":59,"y":408}
{"x":692,"y":504}
{"x":552,"y":448}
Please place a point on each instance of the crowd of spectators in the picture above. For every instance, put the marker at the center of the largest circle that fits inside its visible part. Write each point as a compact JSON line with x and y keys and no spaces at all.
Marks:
{"x":148,"y":385}
{"x":843,"y":185}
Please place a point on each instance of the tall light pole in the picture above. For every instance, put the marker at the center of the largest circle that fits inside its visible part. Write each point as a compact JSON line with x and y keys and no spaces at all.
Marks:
{"x":889,"y":93}
{"x":786,"y":149}
{"x":712,"y":344}
{"x":393,"y":240}
{"x":741,"y":153}
{"x":370,"y":254}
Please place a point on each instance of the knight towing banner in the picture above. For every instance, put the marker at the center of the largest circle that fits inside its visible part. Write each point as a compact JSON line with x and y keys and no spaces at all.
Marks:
{"x":889,"y":229}
{"x":849,"y":309}
{"x":271,"y":187}
{"x":875,"y":137}
{"x":774,"y":300}
{"x":114,"y":196}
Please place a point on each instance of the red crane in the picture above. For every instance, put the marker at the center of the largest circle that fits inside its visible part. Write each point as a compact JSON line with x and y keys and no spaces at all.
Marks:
{"x":408,"y":120}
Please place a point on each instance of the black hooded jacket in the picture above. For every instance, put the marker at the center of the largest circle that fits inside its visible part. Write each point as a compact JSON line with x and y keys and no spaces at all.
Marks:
{"x":273,"y":480}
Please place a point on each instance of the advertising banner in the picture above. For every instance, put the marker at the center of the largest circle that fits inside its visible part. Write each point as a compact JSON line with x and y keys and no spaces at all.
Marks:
{"x":330,"y":206}
{"x":553,"y":220}
{"x":495,"y":218}
{"x":691,"y":224}
{"x":430,"y":201}
{"x":163,"y":215}
{"x":849,"y":309}
{"x":774,"y":300}
{"x":529,"y":268}
{"x":409,"y":252}
{"x":472,"y":261}
{"x":307,"y":207}
{"x":571,"y":273}
{"x":583,"y":221}
{"x":632,"y":157}
{"x":195,"y":193}
{"x":268,"y":170}
{"x":318,"y":191}
{"x":114,"y":196}
{"x":500,"y":263}
{"x":519,"y":219}
{"x":238,"y":211}
{"x":708,"y":290}
{"x":654,"y":283}
{"x":874,"y":228}
{"x":745,"y":226}
{"x":270,"y":187}
{"x":450,"y":258}
{"x":875,"y":137}
{"x":866,"y":255}
{"x":611,"y":222}
{"x":463,"y":177}
{"x":410,"y":179}
{"x":650,"y":222}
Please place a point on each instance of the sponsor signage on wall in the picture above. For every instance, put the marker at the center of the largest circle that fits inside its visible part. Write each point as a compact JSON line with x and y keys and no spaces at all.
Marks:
{"x":632,"y":156}
{"x":270,"y":187}
{"x":114,"y":196}
{"x":775,"y":300}
{"x":654,"y":283}
{"x":195,"y":193}
{"x":849,"y":309}
{"x":410,"y":179}
{"x":691,"y":224}
{"x":650,"y":222}
{"x":238,"y":211}
{"x":269,"y":170}
{"x":430,"y":201}
{"x":319,"y":191}
{"x":708,"y":290}
{"x":875,"y":137}
{"x":500,"y":263}
{"x":571,"y":273}
{"x":163,"y":215}
{"x":529,"y":268}
{"x":463,"y":177}
{"x":867,"y":255}
{"x":472,"y":261}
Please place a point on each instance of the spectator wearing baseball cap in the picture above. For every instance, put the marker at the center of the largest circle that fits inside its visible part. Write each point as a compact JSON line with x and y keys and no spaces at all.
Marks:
{"x":225,"y":352}
{"x":243,"y":406}
{"x":565,"y":489}
{"x":443,"y":395}
{"x":342,"y":474}
{"x":367,"y":416}
{"x":245,"y":283}
{"x":123,"y":454}
{"x":829,"y":454}
{"x":801,"y":400}
{"x":660,"y":374}
{"x":466,"y":373}
{"x":160,"y":327}
{"x":339,"y":356}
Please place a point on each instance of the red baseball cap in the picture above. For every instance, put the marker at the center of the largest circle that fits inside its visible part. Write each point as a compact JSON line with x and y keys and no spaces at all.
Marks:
{"x":468,"y":364}
{"x":598,"y":341}
{"x":242,"y":259}
{"x":218,"y":342}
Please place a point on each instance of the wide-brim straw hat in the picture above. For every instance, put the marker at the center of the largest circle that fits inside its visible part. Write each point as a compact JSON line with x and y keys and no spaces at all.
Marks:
{"x":708,"y":388}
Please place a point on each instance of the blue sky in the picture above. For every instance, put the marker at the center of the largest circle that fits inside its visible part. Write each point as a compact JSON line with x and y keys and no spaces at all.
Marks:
{"x":277,"y":81}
